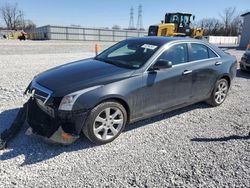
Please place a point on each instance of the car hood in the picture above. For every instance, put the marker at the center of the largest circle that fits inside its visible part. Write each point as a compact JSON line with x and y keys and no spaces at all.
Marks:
{"x":78,"y":75}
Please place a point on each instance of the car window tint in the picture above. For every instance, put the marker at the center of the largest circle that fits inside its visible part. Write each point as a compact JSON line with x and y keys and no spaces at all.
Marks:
{"x":198,"y":52}
{"x":122,"y":51}
{"x":211,"y":53}
{"x":177,"y":54}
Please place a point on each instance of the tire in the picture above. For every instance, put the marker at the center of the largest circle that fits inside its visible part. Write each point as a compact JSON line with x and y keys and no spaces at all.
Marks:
{"x":219,"y":93}
{"x":105,"y":122}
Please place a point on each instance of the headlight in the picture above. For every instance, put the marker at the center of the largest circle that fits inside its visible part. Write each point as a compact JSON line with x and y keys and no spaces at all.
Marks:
{"x":69,"y":100}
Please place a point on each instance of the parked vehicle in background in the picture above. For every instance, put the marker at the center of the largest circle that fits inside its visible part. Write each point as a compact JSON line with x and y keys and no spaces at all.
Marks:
{"x":22,"y":35}
{"x":245,"y":60}
{"x":135,"y":79}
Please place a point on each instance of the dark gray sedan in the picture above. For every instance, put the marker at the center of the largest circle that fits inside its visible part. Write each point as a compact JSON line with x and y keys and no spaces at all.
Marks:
{"x":134,"y":79}
{"x":245,"y":60}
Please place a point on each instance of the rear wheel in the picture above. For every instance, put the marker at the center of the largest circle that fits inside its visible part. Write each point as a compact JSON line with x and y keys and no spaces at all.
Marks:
{"x":105,"y":122}
{"x":219,"y":93}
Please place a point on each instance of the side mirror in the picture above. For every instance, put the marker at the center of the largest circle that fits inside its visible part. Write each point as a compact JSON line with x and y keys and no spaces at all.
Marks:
{"x":161,"y":64}
{"x":193,"y":17}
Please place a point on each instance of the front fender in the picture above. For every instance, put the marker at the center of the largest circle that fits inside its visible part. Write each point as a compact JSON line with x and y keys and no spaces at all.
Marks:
{"x":125,"y":90}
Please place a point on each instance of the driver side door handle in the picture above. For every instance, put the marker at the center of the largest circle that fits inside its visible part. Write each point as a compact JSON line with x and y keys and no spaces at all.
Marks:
{"x":218,"y":63}
{"x":187,"y":72}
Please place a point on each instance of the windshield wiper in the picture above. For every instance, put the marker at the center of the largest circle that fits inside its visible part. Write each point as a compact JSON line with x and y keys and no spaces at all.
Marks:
{"x":116,"y":63}
{"x":104,"y":60}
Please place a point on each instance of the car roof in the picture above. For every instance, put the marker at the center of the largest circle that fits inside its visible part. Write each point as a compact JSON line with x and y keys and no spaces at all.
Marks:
{"x":162,"y":40}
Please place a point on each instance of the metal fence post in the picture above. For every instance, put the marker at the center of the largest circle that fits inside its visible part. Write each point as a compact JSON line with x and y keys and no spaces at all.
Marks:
{"x":67,"y":34}
{"x":99,"y":34}
{"x":83,"y":33}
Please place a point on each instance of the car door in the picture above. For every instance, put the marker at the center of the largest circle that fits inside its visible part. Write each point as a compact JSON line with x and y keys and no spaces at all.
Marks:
{"x":205,"y":63}
{"x":170,"y":87}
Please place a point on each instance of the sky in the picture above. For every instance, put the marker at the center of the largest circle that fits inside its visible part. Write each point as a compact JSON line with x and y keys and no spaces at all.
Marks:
{"x":106,"y":13}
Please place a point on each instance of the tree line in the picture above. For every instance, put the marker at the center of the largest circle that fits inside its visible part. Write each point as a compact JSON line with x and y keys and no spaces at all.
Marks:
{"x":229,"y":24}
{"x":14,"y":18}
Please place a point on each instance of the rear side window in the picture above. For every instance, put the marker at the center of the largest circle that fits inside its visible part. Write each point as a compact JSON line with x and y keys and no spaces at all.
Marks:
{"x":211,"y":53}
{"x":177,"y":54}
{"x":199,"y":52}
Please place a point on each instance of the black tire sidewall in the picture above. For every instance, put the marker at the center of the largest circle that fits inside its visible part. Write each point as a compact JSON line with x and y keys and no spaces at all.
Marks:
{"x":88,"y":127}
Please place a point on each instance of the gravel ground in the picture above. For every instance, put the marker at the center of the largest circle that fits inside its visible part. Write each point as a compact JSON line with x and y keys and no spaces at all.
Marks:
{"x":196,"y":146}
{"x":10,"y":47}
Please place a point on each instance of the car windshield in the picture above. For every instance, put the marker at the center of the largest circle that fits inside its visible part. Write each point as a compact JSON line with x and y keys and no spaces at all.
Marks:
{"x":130,"y":54}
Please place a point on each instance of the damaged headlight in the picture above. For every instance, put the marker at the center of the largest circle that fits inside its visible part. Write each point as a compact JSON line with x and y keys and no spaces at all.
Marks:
{"x":69,"y":100}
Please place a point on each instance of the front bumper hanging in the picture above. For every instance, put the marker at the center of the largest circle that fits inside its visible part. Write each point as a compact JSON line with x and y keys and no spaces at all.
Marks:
{"x":59,"y":136}
{"x":61,"y":127}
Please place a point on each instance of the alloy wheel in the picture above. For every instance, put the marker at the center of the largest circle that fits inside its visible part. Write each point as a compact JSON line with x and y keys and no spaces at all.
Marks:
{"x":108,"y":123}
{"x":221,"y":92}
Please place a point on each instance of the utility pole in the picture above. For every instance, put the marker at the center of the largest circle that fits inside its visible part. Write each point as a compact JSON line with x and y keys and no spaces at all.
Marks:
{"x":131,"y":20}
{"x":139,"y":25}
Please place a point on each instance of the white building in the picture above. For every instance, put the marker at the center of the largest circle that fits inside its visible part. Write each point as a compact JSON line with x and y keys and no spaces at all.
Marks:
{"x":245,"y":36}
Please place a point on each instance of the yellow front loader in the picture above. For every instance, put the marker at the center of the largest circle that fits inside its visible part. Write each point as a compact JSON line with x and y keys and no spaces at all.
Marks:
{"x":176,"y":24}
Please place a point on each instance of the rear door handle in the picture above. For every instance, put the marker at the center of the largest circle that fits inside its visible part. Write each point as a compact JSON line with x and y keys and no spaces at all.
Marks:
{"x":218,"y":63}
{"x":187,"y":72}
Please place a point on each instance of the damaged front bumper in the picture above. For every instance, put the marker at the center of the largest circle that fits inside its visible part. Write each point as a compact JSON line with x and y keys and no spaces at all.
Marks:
{"x":60,"y":136}
{"x":53,"y":125}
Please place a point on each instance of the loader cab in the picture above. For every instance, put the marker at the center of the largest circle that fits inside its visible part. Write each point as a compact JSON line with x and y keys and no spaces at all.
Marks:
{"x":153,"y":30}
{"x":182,"y":22}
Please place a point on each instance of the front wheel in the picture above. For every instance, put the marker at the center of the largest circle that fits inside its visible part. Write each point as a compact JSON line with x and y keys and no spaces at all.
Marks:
{"x":105,"y":122}
{"x":219,"y":93}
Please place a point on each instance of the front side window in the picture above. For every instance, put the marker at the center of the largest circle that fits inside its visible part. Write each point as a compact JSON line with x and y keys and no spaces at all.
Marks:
{"x":129,"y":54}
{"x":177,"y":54}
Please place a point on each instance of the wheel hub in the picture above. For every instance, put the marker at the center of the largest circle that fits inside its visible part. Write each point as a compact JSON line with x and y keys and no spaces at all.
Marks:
{"x":221,"y":92}
{"x":108,"y":123}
